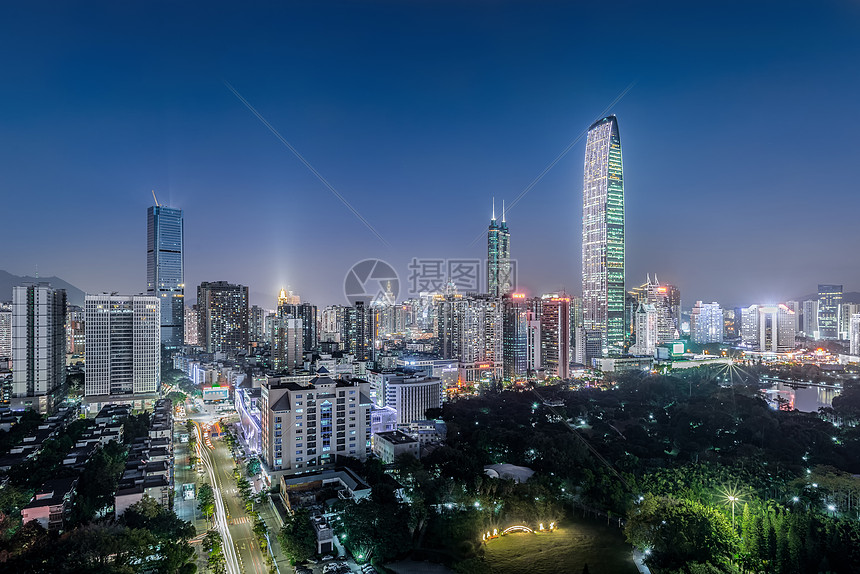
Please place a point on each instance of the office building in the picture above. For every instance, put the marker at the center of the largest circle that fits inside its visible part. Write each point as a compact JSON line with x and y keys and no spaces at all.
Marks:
{"x":829,"y":300}
{"x":521,"y":336}
{"x":499,"y":279}
{"x":645,"y":330}
{"x":223,"y":317}
{"x":707,"y":323}
{"x":410,"y":397}
{"x":306,"y":427}
{"x":555,"y":335}
{"x":768,"y":328}
{"x":123,"y":347}
{"x":38,"y":346}
{"x":165,"y":270}
{"x":603,"y":291}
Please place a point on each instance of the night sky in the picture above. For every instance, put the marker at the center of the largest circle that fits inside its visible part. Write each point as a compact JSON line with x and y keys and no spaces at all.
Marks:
{"x":739,"y":138}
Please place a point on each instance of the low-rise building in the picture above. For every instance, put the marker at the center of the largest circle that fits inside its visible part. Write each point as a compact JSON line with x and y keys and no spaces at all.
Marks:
{"x":389,"y":445}
{"x":51,"y":504}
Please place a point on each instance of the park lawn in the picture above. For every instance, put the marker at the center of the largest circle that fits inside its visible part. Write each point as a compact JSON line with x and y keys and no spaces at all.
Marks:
{"x":566,"y":550}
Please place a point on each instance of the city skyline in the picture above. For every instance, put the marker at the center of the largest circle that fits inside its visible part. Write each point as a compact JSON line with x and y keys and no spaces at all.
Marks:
{"x":401,"y":147}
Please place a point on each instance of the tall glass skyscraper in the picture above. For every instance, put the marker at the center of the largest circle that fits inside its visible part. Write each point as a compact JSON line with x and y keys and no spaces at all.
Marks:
{"x":165,"y":270}
{"x":829,"y":302}
{"x":499,"y":280}
{"x":603,"y":235}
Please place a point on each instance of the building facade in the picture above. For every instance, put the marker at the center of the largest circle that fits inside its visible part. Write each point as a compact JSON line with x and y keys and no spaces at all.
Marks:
{"x":555,"y":335}
{"x":706,"y":323}
{"x":499,"y":279}
{"x":123,"y":342}
{"x":829,"y":301}
{"x":306,"y":427}
{"x":410,"y":397}
{"x":222,"y":309}
{"x":603,"y":291}
{"x":38,"y":346}
{"x":165,"y":270}
{"x":645,"y":330}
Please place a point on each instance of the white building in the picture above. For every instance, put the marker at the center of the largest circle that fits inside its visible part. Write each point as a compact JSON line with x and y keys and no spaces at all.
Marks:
{"x":305,"y":427}
{"x":412,"y":396}
{"x":706,"y":323}
{"x":38,"y":346}
{"x":123,"y":342}
{"x":645,"y":326}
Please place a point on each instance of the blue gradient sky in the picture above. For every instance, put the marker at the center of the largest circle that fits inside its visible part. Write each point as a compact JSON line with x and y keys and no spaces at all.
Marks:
{"x":740,"y":138}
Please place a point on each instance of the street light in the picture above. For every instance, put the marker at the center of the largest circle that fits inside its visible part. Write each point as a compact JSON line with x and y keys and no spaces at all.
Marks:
{"x":733,"y":500}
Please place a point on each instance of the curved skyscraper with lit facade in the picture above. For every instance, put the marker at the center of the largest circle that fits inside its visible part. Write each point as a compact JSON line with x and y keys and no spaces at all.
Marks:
{"x":603,"y":235}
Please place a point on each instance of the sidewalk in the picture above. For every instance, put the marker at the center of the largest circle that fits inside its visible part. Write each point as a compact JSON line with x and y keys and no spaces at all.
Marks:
{"x":273,"y":523}
{"x":186,"y":509}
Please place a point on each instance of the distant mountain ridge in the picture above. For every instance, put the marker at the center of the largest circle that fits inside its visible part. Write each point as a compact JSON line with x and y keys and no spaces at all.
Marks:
{"x":74,"y":296}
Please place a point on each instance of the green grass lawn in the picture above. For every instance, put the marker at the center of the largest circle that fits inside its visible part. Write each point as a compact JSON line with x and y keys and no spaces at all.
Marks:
{"x":566,"y":550}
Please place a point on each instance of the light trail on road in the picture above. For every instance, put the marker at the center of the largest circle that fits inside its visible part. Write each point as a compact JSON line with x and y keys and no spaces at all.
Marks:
{"x":230,"y":557}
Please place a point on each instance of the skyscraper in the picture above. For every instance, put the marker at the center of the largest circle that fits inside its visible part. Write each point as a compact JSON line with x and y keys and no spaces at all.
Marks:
{"x":165,"y":270}
{"x":555,"y":335}
{"x":603,"y":235}
{"x":38,"y":346}
{"x":123,"y":346}
{"x":223,"y":317}
{"x":706,"y":323}
{"x":499,"y":280}
{"x":829,"y":300}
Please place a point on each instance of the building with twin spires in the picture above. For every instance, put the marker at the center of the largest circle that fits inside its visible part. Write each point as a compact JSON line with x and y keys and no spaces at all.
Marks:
{"x":499,"y":280}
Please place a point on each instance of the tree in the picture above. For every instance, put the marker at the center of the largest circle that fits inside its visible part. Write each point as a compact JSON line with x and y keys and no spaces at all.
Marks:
{"x":177,"y":397}
{"x":213,"y":546}
{"x":206,"y":500}
{"x":253,"y":467}
{"x":679,"y":532}
{"x":297,"y":537}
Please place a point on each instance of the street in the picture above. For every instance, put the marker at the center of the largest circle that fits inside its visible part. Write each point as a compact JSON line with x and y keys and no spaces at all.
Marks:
{"x":241,"y":551}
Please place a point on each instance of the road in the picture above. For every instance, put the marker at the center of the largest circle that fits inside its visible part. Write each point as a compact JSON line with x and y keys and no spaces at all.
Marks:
{"x":241,"y":551}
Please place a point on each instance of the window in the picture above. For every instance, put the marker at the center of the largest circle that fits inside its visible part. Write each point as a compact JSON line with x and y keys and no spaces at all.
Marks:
{"x":300,"y":410}
{"x":278,"y":461}
{"x":298,"y":452}
{"x":298,"y":424}
{"x":352,"y":392}
{"x":298,"y":417}
{"x":277,"y":419}
{"x":298,"y":459}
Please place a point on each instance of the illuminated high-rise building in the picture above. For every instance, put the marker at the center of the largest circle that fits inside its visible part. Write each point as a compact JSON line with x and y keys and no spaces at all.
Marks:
{"x":603,"y":235}
{"x":555,"y":335}
{"x":222,"y":317}
{"x":829,"y":300}
{"x":191,"y":323}
{"x":499,"y":280}
{"x":521,"y":335}
{"x":706,"y":323}
{"x":123,"y":345}
{"x":165,"y":270}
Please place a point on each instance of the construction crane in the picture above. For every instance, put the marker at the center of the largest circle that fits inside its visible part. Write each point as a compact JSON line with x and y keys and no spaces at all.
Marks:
{"x":155,"y":198}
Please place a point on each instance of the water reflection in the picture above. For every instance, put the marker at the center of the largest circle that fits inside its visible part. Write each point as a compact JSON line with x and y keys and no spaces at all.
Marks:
{"x":806,"y":400}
